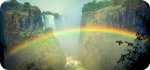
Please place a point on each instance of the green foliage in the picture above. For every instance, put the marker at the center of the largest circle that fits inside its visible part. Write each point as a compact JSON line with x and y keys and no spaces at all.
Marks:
{"x":116,"y":2}
{"x":13,"y":1}
{"x":138,"y":57}
{"x":46,"y":13}
{"x":26,"y":5}
{"x":123,"y":2}
{"x":10,"y":5}
{"x":15,"y":6}
{"x":92,"y":6}
{"x":30,"y":66}
{"x":56,"y":15}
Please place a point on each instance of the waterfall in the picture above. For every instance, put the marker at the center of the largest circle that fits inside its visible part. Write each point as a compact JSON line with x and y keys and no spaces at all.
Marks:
{"x":49,"y":22}
{"x":53,"y":21}
{"x":60,"y":22}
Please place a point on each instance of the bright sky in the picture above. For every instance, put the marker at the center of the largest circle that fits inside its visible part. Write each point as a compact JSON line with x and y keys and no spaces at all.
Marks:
{"x":58,"y":6}
{"x":71,"y":9}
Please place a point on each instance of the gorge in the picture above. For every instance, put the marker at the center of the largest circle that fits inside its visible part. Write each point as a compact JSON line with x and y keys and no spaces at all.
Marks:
{"x":73,"y":34}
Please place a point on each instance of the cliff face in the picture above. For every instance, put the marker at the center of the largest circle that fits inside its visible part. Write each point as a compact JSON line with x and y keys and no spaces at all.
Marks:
{"x":21,"y":23}
{"x":112,"y":16}
{"x":99,"y":51}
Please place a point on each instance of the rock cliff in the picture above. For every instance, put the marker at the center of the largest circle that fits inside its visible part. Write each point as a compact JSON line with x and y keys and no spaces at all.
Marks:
{"x":23,"y":22}
{"x":20,"y":22}
{"x":99,"y":51}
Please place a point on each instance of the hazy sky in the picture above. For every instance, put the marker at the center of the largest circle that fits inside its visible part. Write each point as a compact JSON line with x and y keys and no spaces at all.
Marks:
{"x":71,"y":10}
{"x":58,"y":6}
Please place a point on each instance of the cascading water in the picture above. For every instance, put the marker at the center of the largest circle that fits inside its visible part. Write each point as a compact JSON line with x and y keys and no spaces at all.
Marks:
{"x":68,"y":43}
{"x":54,"y":21}
{"x":49,"y":22}
{"x":59,"y":20}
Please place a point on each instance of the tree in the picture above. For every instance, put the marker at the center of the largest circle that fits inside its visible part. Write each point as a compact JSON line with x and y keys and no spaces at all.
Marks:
{"x":13,"y":1}
{"x":10,"y":5}
{"x":27,"y":5}
{"x":93,"y":6}
{"x":138,"y":57}
{"x":114,"y":2}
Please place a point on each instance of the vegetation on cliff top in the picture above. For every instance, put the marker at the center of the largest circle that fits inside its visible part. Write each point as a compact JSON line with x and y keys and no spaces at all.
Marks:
{"x":56,"y":15}
{"x":15,"y":6}
{"x":93,"y":6}
{"x":22,"y":21}
{"x":131,"y":14}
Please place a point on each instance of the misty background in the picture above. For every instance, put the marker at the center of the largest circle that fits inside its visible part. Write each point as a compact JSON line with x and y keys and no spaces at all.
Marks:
{"x":71,"y":12}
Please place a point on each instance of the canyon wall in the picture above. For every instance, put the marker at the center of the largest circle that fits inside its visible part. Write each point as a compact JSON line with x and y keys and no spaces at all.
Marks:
{"x":99,"y":51}
{"x":20,"y":24}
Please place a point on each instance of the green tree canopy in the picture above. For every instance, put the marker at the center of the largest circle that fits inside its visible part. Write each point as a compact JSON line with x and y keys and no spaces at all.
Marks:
{"x":27,"y":4}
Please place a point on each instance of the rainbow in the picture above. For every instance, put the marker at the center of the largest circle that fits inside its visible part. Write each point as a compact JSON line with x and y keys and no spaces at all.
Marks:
{"x":48,"y":35}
